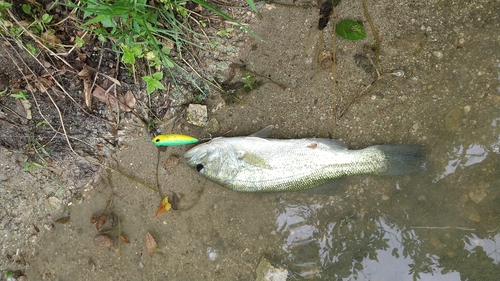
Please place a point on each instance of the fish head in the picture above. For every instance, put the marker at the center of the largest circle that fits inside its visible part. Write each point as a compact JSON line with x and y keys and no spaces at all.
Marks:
{"x":215,"y":160}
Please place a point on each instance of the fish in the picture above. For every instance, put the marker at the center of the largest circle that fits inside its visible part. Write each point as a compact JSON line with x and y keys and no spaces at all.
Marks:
{"x":256,"y":163}
{"x":173,"y":140}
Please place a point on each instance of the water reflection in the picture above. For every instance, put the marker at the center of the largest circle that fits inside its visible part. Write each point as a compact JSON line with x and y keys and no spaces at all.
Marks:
{"x":462,"y":157}
{"x":445,"y":226}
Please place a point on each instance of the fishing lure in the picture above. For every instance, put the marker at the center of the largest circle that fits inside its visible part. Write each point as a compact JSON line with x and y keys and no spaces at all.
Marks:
{"x":173,"y":140}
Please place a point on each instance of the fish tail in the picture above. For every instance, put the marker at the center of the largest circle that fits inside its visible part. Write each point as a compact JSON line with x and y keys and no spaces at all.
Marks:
{"x":402,"y":159}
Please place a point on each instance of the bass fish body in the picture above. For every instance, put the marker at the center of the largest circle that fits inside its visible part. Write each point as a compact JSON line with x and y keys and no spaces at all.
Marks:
{"x":255,"y":164}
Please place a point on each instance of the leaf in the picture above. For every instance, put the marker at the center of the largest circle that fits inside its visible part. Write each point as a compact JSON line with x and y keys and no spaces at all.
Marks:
{"x":101,"y":221}
{"x":124,"y":238}
{"x":26,"y":8}
{"x":164,"y":206}
{"x":158,"y":75}
{"x":351,"y":30}
{"x":152,"y":84}
{"x":46,"y":18}
{"x":150,"y":244}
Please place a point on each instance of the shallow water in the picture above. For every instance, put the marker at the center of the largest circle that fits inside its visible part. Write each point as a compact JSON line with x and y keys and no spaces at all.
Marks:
{"x":442,"y":224}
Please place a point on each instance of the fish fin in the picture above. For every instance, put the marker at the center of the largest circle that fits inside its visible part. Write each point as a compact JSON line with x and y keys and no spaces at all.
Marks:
{"x":402,"y":159}
{"x":263,"y":133}
{"x":252,"y":159}
{"x":335,"y":144}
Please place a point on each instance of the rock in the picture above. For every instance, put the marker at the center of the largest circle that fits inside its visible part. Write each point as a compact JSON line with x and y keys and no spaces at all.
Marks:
{"x":196,"y":114}
{"x":54,"y":202}
{"x":267,"y":272}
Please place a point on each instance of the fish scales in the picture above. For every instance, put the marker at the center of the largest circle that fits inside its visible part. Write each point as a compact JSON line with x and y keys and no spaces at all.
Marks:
{"x":254,"y":164}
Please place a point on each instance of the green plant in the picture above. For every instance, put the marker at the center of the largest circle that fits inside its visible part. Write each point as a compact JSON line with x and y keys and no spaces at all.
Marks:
{"x":39,"y":23}
{"x":351,"y":30}
{"x":153,"y":82}
{"x":4,"y":91}
{"x":30,"y":165}
{"x":4,"y":6}
{"x":34,"y":145}
{"x":140,"y":29}
{"x":249,"y":82}
{"x":20,"y":95}
{"x":226,"y":31}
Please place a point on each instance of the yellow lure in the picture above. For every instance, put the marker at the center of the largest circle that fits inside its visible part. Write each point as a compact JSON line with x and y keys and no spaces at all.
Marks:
{"x":173,"y":140}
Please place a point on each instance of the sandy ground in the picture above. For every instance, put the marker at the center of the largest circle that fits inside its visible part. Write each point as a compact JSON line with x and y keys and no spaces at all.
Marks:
{"x":442,"y":225}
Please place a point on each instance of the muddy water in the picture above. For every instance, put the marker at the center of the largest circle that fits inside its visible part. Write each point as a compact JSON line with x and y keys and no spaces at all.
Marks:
{"x":443,"y":224}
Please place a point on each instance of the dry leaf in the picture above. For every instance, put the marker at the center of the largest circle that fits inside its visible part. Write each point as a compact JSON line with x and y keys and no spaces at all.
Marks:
{"x":125,"y":103}
{"x":84,"y":74}
{"x":101,"y":221}
{"x":50,"y":39}
{"x":150,"y":244}
{"x":124,"y":238}
{"x":103,"y":241}
{"x":63,"y":220}
{"x":129,"y":100}
{"x":164,"y":206}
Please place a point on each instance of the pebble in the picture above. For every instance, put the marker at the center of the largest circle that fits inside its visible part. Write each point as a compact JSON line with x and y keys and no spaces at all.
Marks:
{"x":54,"y":202}
{"x":196,"y":114}
{"x":438,"y":54}
{"x":267,"y":272}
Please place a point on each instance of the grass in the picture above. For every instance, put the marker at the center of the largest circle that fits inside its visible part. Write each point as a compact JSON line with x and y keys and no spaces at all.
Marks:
{"x":156,"y":33}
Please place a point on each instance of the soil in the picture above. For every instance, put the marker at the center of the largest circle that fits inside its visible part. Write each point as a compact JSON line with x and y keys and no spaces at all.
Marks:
{"x":442,"y":225}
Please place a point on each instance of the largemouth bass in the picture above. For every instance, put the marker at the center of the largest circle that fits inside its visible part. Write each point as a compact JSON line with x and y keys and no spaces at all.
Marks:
{"x":258,"y":164}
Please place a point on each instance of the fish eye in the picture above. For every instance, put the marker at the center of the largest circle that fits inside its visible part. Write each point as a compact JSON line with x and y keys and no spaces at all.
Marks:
{"x":199,"y":167}
{"x":157,"y":139}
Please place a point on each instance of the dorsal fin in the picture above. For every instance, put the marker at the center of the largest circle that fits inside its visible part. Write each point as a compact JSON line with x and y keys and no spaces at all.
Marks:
{"x":263,"y":133}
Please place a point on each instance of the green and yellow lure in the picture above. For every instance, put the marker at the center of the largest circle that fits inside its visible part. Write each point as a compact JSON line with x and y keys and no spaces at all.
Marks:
{"x":173,"y":140}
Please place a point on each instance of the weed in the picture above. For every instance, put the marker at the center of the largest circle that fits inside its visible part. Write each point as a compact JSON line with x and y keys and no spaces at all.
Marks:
{"x":4,"y":6}
{"x":20,"y":95}
{"x":30,"y":165}
{"x":226,"y":31}
{"x":4,"y":91}
{"x":142,"y":30}
{"x":153,"y":82}
{"x":249,"y":82}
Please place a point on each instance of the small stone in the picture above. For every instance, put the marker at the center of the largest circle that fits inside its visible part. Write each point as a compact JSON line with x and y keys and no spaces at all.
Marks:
{"x":196,"y":114}
{"x":103,"y":241}
{"x":385,"y":197}
{"x":466,"y":109}
{"x":438,"y":54}
{"x":54,"y":202}
{"x":267,"y":272}
{"x":172,"y":161}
